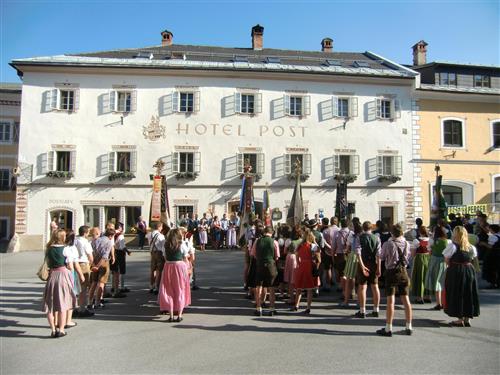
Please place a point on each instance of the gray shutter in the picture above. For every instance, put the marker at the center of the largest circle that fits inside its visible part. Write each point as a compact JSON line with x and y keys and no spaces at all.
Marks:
{"x":237,"y":102}
{"x":354,"y":164}
{"x":240,"y":163}
{"x":197,"y":162}
{"x":165,"y":105}
{"x":261,"y":163}
{"x":133,"y":101}
{"x":380,"y":165}
{"x":175,"y":101}
{"x":42,"y":163}
{"x":112,"y":101}
{"x":133,"y":161}
{"x":51,"y":159}
{"x":196,"y":104}
{"x":286,"y":101}
{"x":307,"y":105}
{"x":175,"y":162}
{"x":72,"y":161}
{"x":258,"y":103}
{"x":112,"y":162}
{"x":379,"y":108}
{"x":353,"y":107}
{"x":395,"y":109}
{"x":307,"y":167}
{"x":336,"y":164}
{"x":288,"y":164}
{"x":398,"y":160}
{"x":371,"y":110}
{"x":54,"y":99}
{"x":76,"y":102}
{"x":335,"y":106}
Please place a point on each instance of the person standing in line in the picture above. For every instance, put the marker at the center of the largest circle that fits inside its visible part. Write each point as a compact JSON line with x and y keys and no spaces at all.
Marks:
{"x":224,"y":227}
{"x":141,"y":231}
{"x":368,"y":254}
{"x":434,"y":281}
{"x":85,"y":258}
{"x":71,"y":254}
{"x":395,"y":253}
{"x":339,"y":248}
{"x":174,"y":294}
{"x":58,"y":295}
{"x":156,"y":243}
{"x":351,"y":265}
{"x":217,"y":232}
{"x":493,"y":257}
{"x":104,"y":253}
{"x":421,"y":256}
{"x":462,"y":295}
{"x":202,"y":232}
{"x":118,"y":269}
{"x":266,"y":252}
{"x":231,"y":233}
{"x":383,"y":233}
{"x":308,"y":257}
{"x":327,"y":252}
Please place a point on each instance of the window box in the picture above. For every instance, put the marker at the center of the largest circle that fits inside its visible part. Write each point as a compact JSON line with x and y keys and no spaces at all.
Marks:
{"x":186,"y":175}
{"x":389,"y":178}
{"x":120,"y":176}
{"x":347,"y":178}
{"x":303,"y":177}
{"x":60,"y":174}
{"x":257,"y":176}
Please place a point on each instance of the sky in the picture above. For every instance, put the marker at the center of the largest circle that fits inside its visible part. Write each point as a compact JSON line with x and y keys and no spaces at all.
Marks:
{"x":464,"y":31}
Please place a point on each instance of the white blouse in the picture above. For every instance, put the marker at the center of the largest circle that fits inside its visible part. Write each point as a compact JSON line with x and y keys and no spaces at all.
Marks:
{"x":452,"y":249}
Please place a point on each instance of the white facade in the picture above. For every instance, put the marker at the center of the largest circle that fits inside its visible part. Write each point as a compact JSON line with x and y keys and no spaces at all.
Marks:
{"x":218,"y":134}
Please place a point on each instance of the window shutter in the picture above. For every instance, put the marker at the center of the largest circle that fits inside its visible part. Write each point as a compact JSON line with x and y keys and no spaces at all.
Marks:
{"x":72,"y":161}
{"x":260,"y":163}
{"x":258,"y":103}
{"x":54,"y":99}
{"x":307,"y":169}
{"x":399,"y":165}
{"x":397,"y":109}
{"x":112,"y":162}
{"x":239,"y":163}
{"x":15,"y":132}
{"x":288,"y":164}
{"x":76,"y":103}
{"x":336,"y":164}
{"x":197,"y":162}
{"x":380,"y":165}
{"x":355,"y":164}
{"x":307,"y":105}
{"x":335,"y":106}
{"x":133,"y":101}
{"x":353,"y":107}
{"x":286,"y":101}
{"x":133,"y":161}
{"x":51,"y":158}
{"x":237,"y":102}
{"x":112,"y":101}
{"x":196,"y":104}
{"x":176,"y":162}
{"x":379,"y":108}
{"x":175,"y":101}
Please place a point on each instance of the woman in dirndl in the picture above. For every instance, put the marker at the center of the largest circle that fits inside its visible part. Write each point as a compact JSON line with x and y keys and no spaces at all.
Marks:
{"x":461,"y":291}
{"x":434,"y":282}
{"x":421,"y":255}
{"x":291,"y":244}
{"x":174,"y":294}
{"x":351,"y":265}
{"x":58,"y":296}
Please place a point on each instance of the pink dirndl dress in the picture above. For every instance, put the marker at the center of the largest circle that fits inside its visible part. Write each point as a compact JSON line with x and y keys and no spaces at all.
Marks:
{"x":175,"y":292}
{"x":290,"y":266}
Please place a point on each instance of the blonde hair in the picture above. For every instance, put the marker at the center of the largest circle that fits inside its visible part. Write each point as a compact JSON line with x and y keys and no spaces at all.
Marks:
{"x":94,"y":232}
{"x":308,"y":236}
{"x":461,"y":238}
{"x":58,"y":237}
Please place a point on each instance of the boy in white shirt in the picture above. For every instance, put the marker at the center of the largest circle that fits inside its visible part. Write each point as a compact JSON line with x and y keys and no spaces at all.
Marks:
{"x":85,"y":257}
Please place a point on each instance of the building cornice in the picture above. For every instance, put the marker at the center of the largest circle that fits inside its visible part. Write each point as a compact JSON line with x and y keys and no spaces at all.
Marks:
{"x":444,"y":161}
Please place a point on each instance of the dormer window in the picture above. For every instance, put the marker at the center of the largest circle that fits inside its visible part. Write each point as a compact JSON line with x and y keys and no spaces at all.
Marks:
{"x":447,"y":79}
{"x":481,"y":80}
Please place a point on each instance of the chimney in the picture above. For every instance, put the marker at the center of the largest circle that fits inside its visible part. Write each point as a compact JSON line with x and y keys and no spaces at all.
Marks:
{"x":327,"y":45}
{"x":420,"y":53}
{"x":257,"y":37}
{"x":166,"y":38}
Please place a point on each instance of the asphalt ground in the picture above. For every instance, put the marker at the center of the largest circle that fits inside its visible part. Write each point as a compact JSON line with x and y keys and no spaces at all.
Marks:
{"x":220,"y":335}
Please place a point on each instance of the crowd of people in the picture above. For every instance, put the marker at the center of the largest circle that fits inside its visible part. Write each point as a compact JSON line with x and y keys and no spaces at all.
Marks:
{"x":285,"y":262}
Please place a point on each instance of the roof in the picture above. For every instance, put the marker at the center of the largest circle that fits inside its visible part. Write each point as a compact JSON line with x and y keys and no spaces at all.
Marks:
{"x":11,"y":87}
{"x":460,"y":89}
{"x":451,"y":63}
{"x":223,"y":58}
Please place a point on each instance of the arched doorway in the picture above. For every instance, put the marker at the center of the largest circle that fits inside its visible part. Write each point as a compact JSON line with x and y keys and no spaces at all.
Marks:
{"x":64,"y":219}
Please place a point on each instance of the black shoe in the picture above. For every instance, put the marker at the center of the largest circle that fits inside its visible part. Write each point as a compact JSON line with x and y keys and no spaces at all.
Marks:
{"x":152,"y":290}
{"x":86,"y":314}
{"x":466,"y":324}
{"x":437,"y":307}
{"x":383,"y":332}
{"x":294,"y":308}
{"x":374,"y":314}
{"x":307,"y":311}
{"x":257,"y":312}
{"x":155,"y":292}
{"x":195,"y":287}
{"x":272,"y":313}
{"x":419,"y":302}
{"x":408,"y":332}
{"x":360,"y":315}
{"x":179,"y":319}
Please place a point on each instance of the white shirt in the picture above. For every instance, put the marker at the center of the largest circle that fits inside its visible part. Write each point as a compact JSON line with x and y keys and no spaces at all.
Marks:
{"x":71,"y":254}
{"x":452,"y":249}
{"x":84,"y":249}
{"x":493,"y":238}
{"x":187,"y":248}
{"x":156,"y":241}
{"x":120,"y":242}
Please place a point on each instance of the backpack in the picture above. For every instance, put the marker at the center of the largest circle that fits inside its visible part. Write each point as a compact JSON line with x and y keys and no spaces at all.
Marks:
{"x":369,"y":245}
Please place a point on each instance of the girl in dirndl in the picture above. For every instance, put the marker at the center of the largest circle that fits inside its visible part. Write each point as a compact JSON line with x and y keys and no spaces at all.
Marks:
{"x":351,"y":266}
{"x":434,"y":282}
{"x":202,"y":232}
{"x":291,"y":261}
{"x":58,"y":296}
{"x":421,"y":255}
{"x":174,"y":294}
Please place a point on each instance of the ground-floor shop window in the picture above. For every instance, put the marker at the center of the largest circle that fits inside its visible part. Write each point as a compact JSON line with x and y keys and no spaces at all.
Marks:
{"x":453,"y":195}
{"x":132,"y":214}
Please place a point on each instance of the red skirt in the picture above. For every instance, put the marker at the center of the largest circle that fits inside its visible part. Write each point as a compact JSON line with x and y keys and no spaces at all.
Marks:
{"x":303,"y":277}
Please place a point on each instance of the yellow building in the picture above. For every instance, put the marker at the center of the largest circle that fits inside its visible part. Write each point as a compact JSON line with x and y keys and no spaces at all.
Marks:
{"x":458,"y":127}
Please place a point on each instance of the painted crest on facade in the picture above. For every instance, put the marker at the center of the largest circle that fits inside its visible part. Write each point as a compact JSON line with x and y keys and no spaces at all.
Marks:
{"x":154,"y":131}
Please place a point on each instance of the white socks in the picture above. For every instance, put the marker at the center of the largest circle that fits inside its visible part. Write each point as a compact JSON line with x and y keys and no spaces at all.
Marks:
{"x":375,"y":309}
{"x":362,"y":310}
{"x":408,"y":325}
{"x":388,"y":327}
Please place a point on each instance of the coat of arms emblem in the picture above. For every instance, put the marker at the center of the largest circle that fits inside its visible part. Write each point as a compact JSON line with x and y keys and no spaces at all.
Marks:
{"x":154,"y":131}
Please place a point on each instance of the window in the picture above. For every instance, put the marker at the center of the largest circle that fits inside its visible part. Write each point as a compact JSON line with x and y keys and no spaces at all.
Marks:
{"x":61,"y":161}
{"x":305,"y":163}
{"x":64,"y":99}
{"x":184,"y":211}
{"x":247,"y":103}
{"x":297,"y":105}
{"x":256,"y":161}
{"x":122,"y":161}
{"x":67,"y":100}
{"x":481,"y":80}
{"x":4,"y":179}
{"x":388,"y":109}
{"x":186,"y":162}
{"x":6,"y":129}
{"x":453,"y":133}
{"x":447,"y":79}
{"x":186,"y":102}
{"x":346,"y":164}
{"x":123,"y":101}
{"x":132,"y":213}
{"x":112,"y":214}
{"x":4,"y":228}
{"x":495,"y":132}
{"x":496,"y":193}
{"x":453,"y":195}
{"x":389,"y":165}
{"x":345,"y":107}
